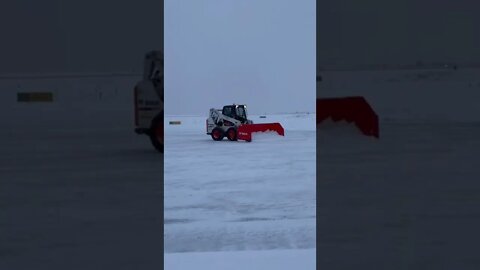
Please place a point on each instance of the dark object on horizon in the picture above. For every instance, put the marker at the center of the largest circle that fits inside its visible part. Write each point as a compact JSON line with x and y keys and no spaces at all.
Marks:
{"x":35,"y":97}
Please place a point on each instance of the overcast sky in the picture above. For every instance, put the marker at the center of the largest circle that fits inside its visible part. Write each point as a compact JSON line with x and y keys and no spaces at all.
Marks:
{"x":255,"y":52}
{"x":352,"y":32}
{"x":110,"y":36}
{"x":78,"y":35}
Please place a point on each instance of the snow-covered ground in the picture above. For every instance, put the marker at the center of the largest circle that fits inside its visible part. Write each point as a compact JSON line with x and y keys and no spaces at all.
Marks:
{"x":241,"y":260}
{"x":239,"y":196}
{"x":78,"y":188}
{"x":410,"y":200}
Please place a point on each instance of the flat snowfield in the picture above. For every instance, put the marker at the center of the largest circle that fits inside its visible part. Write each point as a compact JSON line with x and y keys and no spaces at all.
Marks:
{"x":241,"y":260}
{"x":78,"y":188}
{"x":413,"y":196}
{"x":238,"y":196}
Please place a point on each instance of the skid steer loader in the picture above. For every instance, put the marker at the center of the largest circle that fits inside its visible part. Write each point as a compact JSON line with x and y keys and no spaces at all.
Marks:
{"x":232,"y":122}
{"x":148,"y":100}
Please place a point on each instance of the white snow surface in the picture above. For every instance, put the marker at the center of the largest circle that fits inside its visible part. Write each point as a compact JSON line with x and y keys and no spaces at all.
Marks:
{"x":75,"y":182}
{"x":236,"y":197}
{"x":409,"y":200}
{"x":241,"y":260}
{"x":78,"y":188}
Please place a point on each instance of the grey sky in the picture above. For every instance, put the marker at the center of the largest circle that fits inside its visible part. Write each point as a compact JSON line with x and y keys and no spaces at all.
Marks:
{"x":354,"y":32}
{"x":257,"y":52}
{"x":78,"y":35}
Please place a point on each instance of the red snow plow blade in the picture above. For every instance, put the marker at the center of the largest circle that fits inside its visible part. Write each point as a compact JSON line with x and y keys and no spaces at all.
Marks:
{"x":245,"y":131}
{"x":350,"y":109}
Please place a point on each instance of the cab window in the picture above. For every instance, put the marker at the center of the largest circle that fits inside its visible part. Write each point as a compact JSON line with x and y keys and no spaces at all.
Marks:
{"x":241,"y":112}
{"x":228,"y":111}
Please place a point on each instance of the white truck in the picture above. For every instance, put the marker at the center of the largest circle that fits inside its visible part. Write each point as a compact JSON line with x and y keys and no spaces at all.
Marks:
{"x":148,"y":100}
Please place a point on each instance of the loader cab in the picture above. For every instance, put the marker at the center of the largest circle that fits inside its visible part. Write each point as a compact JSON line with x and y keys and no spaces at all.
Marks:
{"x":153,"y":69}
{"x":238,"y":112}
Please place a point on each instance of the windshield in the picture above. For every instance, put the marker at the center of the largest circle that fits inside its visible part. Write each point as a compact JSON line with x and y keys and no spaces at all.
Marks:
{"x":241,"y":112}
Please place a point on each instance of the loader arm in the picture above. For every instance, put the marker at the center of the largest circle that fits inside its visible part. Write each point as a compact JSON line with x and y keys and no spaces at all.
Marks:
{"x":148,"y":100}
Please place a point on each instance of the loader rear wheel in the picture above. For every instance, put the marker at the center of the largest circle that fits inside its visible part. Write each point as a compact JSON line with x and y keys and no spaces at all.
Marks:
{"x":217,"y":134}
{"x":156,"y":134}
{"x":232,"y":134}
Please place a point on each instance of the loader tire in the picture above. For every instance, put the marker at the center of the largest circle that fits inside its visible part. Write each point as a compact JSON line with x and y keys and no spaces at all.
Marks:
{"x":217,"y":134}
{"x":156,"y":134}
{"x":232,"y":134}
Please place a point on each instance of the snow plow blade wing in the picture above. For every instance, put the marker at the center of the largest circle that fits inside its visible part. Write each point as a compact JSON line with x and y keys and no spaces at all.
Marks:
{"x":350,"y":109}
{"x":245,"y":131}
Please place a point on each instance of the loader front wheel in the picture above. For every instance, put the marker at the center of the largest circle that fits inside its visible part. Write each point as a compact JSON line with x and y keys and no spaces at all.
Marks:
{"x":217,"y":134}
{"x":156,"y":135}
{"x":232,"y":134}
